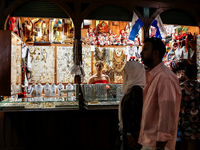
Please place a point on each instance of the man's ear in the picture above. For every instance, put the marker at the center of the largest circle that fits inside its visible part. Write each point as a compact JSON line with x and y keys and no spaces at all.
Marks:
{"x":156,"y":52}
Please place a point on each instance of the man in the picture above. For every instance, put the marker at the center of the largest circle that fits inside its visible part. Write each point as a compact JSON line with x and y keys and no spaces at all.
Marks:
{"x":161,"y":100}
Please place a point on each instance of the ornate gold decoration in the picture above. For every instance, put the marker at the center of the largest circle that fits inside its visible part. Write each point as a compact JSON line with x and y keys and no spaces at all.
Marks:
{"x":100,"y":55}
{"x":119,"y":62}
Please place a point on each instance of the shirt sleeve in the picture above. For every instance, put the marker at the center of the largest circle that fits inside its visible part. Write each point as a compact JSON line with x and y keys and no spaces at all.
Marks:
{"x":167,"y":110}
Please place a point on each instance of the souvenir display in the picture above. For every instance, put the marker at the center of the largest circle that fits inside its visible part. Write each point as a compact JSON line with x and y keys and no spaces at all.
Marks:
{"x":33,"y":105}
{"x":178,"y":41}
{"x":16,"y":52}
{"x":34,"y":90}
{"x":57,"y":30}
{"x":119,"y":60}
{"x":60,"y":87}
{"x":47,"y":88}
{"x":64,"y":64}
{"x":13,"y":26}
{"x":86,"y":56}
{"x":70,"y":95}
{"x":29,"y":90}
{"x":198,"y":57}
{"x":47,"y":105}
{"x":53,"y":88}
{"x":131,"y":51}
{"x":100,"y":54}
{"x":39,"y":90}
{"x":42,"y":57}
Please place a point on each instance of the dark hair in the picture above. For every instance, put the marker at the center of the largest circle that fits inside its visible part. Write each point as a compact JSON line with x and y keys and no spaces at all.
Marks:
{"x":157,"y":45}
{"x":99,"y":62}
{"x":191,"y":71}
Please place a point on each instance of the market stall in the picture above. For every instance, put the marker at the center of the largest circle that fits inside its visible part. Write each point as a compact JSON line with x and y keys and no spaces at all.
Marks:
{"x":180,"y":41}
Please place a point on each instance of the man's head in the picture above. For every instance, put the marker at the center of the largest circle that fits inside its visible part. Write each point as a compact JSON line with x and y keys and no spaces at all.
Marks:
{"x":153,"y":51}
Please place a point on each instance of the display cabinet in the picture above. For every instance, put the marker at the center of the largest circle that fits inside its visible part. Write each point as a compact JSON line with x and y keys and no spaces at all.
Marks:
{"x":38,"y":103}
{"x":10,"y":60}
{"x":66,"y":98}
{"x":102,"y":96}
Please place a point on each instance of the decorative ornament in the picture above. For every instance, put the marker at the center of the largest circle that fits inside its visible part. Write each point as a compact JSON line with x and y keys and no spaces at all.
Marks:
{"x":119,"y":61}
{"x":100,"y":55}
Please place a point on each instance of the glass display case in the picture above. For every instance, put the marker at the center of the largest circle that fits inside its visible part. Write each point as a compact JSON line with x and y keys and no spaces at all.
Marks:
{"x":102,"y":96}
{"x":38,"y":103}
{"x":10,"y":60}
{"x":66,"y":98}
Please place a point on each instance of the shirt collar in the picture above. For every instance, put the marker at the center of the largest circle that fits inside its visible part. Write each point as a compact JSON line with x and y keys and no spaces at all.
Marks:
{"x":156,"y":69}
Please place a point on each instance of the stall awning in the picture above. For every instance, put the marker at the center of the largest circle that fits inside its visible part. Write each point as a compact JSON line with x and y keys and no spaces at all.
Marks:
{"x":41,"y":9}
{"x":110,"y":12}
{"x":178,"y":17}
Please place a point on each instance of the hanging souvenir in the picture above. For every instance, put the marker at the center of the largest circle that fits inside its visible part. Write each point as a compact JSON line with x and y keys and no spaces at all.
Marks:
{"x":64,"y":64}
{"x":87,"y":63}
{"x":100,"y":55}
{"x":119,"y":61}
{"x":42,"y":57}
{"x":13,"y":25}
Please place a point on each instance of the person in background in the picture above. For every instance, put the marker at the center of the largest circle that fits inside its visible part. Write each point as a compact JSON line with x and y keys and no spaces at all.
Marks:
{"x":99,"y":77}
{"x":189,"y":123}
{"x":161,"y":100}
{"x":130,"y":107}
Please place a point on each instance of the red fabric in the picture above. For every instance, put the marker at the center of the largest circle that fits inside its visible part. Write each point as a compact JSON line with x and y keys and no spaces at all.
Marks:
{"x":100,"y":81}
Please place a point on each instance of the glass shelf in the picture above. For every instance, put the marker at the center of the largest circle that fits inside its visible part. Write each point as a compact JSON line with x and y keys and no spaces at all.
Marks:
{"x":102,"y":94}
{"x":39,"y":103}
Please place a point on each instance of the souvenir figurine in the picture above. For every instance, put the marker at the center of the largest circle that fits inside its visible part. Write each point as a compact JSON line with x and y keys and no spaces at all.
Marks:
{"x":101,"y":41}
{"x":13,"y":25}
{"x":44,"y":28}
{"x":94,"y":42}
{"x":107,"y":42}
{"x":119,"y":41}
{"x":122,"y":36}
{"x":112,"y":41}
{"x":110,"y":34}
{"x":90,"y":33}
{"x":128,"y":42}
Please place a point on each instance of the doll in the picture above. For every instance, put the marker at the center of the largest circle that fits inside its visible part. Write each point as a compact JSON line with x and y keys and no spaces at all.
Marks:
{"x":122,"y":36}
{"x":127,"y":33}
{"x":118,"y":41}
{"x":94,"y":42}
{"x":101,"y":41}
{"x":110,"y":34}
{"x":44,"y":28}
{"x":90,"y":33}
{"x":107,"y":42}
{"x":112,"y":42}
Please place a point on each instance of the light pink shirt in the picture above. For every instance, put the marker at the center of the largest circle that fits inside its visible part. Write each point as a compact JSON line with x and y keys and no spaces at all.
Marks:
{"x":161,"y":105}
